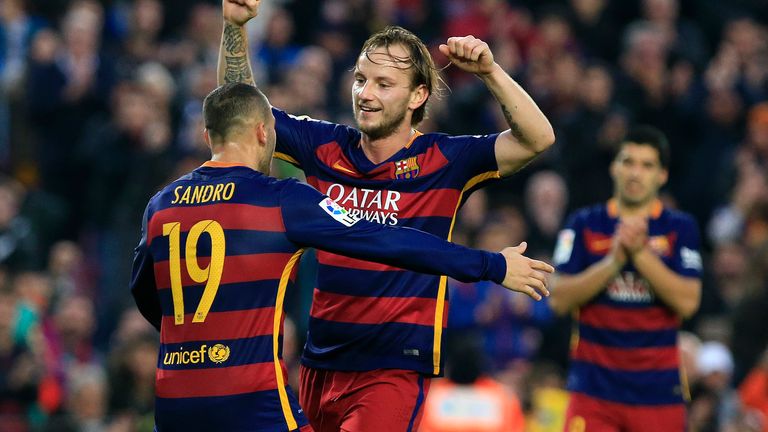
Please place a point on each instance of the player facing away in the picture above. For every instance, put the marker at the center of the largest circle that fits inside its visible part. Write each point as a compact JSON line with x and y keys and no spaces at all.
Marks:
{"x":218,"y":251}
{"x":375,"y":334}
{"x":630,"y":270}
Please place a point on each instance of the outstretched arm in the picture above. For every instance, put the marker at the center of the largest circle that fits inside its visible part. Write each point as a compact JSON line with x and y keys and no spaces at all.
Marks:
{"x":529,"y":133}
{"x":313,"y":219}
{"x":234,"y":64}
{"x":525,"y":275}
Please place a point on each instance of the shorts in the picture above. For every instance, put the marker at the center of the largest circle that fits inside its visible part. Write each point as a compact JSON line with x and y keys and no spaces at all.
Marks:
{"x":596,"y":415}
{"x":377,"y":400}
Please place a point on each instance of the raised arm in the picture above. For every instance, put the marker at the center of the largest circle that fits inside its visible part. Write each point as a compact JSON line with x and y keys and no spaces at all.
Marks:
{"x":234,"y":65}
{"x":529,"y":133}
{"x":312,"y":219}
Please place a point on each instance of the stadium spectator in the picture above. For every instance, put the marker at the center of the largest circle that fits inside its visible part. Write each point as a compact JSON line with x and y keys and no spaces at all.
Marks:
{"x":86,"y":408}
{"x":66,"y":269}
{"x":750,"y":334}
{"x":546,"y":200}
{"x":18,"y":368}
{"x":714,"y":365}
{"x":19,"y":246}
{"x":587,"y":135}
{"x":67,"y":85}
{"x":17,"y":29}
{"x":131,"y":372}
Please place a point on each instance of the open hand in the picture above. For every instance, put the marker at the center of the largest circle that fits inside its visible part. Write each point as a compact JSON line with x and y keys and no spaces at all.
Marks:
{"x":469,"y":53}
{"x":239,"y":12}
{"x":525,"y":275}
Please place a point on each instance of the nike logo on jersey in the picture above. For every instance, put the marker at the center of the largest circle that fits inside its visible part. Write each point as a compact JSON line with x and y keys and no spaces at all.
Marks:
{"x":337,"y":166}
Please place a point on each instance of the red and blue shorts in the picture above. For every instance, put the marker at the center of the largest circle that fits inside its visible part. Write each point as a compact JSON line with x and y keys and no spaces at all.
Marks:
{"x":596,"y":415}
{"x":382,"y":399}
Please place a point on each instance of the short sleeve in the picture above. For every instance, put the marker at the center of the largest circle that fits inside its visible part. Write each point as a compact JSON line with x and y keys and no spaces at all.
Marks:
{"x":687,"y":258}
{"x":473,"y":157}
{"x":299,"y":136}
{"x":569,"y":255}
{"x":313,"y":219}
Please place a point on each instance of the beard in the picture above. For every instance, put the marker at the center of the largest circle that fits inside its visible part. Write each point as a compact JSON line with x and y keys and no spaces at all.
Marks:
{"x":638,"y":200}
{"x":385,"y":128}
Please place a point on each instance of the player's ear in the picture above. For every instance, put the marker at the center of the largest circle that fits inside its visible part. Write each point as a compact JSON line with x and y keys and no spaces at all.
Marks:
{"x":663,"y":177}
{"x":261,"y":133}
{"x":612,"y":169}
{"x":419,"y":97}
{"x":207,"y":137}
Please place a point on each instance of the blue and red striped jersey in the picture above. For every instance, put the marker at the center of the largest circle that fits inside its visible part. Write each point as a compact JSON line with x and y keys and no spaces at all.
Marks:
{"x":625,"y":348}
{"x":367,"y":316}
{"x":218,"y":251}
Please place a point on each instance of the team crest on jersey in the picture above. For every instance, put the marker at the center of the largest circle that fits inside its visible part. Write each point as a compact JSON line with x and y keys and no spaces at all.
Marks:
{"x":218,"y":353}
{"x":661,"y":244}
{"x":407,"y":168}
{"x":338,"y":212}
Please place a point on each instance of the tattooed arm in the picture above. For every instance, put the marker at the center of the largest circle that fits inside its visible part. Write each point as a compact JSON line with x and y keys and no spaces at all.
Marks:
{"x":529,"y":130}
{"x":234,"y":65}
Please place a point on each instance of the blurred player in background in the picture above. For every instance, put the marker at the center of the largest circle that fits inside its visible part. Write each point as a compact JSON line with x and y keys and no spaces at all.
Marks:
{"x":630,"y":269}
{"x":218,"y":251}
{"x":376,"y":332}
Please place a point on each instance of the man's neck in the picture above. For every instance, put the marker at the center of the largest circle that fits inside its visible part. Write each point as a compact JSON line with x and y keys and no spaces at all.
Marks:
{"x":379,"y":150}
{"x":642,"y":209}
{"x":233,"y":153}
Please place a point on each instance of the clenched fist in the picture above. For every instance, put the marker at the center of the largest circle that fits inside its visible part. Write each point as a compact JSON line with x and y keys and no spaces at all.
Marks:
{"x":469,"y":53}
{"x":239,"y":12}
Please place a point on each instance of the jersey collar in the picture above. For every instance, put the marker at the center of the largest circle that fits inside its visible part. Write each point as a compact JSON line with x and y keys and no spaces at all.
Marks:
{"x":656,"y":208}
{"x":217,"y":164}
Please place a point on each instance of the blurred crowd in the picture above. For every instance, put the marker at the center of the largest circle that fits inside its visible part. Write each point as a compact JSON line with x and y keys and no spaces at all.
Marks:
{"x":100,"y":104}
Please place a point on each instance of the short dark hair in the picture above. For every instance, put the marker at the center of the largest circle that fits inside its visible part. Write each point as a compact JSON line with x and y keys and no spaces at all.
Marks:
{"x":419,"y":59}
{"x":231,"y":106}
{"x":648,"y":136}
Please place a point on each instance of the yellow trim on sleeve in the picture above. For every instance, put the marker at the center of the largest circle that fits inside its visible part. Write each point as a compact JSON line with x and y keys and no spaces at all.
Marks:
{"x":475,"y":180}
{"x":285,"y":157}
{"x":284,"y":403}
{"x":440,"y":300}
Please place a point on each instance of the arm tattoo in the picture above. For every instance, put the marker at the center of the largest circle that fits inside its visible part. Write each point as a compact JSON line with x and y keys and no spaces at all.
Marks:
{"x":237,"y":70}
{"x":234,"y":43}
{"x":514,"y":128}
